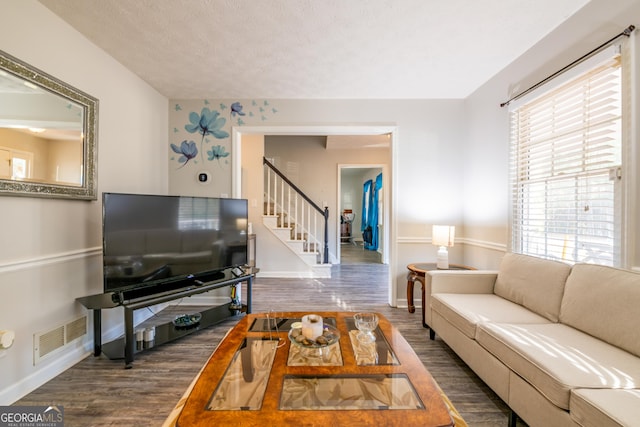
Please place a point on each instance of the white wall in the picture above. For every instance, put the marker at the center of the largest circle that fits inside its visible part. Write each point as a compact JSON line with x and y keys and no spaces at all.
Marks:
{"x":486,"y":154}
{"x":50,"y":250}
{"x":426,"y":170}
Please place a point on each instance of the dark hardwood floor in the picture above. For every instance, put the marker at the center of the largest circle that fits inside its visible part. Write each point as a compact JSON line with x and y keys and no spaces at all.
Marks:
{"x":351,"y":253}
{"x":100,"y":392}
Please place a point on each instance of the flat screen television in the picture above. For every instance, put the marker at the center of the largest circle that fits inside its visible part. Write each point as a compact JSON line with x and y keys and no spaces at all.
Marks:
{"x":155,"y":243}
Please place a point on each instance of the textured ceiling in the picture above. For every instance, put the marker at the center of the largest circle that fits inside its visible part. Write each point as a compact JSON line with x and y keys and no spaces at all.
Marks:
{"x":315,"y":49}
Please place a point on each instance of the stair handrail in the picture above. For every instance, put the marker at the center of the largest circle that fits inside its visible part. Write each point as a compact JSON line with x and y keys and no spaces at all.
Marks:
{"x":324,"y":212}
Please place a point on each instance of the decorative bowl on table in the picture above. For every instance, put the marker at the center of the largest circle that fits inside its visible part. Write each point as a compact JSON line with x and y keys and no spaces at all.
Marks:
{"x":187,"y":321}
{"x":330,"y":335}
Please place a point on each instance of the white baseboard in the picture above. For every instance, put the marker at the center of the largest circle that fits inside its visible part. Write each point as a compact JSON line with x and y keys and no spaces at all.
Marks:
{"x":45,"y":373}
{"x":402,"y":303}
{"x":286,"y":274}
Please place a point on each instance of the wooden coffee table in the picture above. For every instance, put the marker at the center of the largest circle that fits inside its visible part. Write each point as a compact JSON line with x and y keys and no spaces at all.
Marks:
{"x":257,"y":376}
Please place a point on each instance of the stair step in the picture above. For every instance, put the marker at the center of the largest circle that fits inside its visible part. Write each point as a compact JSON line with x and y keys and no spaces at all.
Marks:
{"x":269,"y":210}
{"x":310,"y":258}
{"x":295,"y":240}
{"x":270,"y":221}
{"x":282,"y":233}
{"x":282,"y":222}
{"x":296,"y":245}
{"x":322,"y":270}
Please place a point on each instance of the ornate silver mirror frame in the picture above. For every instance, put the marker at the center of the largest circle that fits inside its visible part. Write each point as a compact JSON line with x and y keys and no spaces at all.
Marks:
{"x":87,"y":107}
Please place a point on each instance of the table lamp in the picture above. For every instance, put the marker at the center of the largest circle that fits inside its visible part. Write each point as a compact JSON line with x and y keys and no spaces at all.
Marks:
{"x":443,"y":236}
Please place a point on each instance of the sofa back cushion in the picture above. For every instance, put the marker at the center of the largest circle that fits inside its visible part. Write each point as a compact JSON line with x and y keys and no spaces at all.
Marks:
{"x":604,"y":302}
{"x":532,"y":282}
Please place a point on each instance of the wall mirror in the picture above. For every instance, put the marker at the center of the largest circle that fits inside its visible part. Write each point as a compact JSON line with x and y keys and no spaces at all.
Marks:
{"x":48,"y":134}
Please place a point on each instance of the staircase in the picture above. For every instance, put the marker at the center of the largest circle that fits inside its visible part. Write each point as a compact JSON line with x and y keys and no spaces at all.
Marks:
{"x":296,"y":221}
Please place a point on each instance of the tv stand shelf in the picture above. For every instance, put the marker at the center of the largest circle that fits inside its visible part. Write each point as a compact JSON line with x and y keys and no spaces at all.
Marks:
{"x":167,"y":332}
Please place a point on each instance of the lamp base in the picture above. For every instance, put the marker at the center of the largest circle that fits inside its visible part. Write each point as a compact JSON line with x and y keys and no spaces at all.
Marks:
{"x":442,"y":260}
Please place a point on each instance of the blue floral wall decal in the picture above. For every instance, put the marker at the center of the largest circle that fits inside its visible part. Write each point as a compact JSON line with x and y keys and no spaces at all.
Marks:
{"x":236,"y":108}
{"x":188,"y":151}
{"x":210,"y":125}
{"x":207,"y":123}
{"x":217,"y":152}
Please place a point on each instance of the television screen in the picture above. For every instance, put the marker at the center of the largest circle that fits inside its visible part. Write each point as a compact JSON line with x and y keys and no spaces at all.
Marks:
{"x":151,"y":240}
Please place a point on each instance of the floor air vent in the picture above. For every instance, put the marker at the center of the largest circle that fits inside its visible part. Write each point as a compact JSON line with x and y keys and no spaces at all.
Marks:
{"x":76,"y":329}
{"x":45,"y":343}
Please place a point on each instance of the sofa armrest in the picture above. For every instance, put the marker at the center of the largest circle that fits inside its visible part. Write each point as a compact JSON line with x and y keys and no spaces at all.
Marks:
{"x":455,"y":282}
{"x":462,"y":282}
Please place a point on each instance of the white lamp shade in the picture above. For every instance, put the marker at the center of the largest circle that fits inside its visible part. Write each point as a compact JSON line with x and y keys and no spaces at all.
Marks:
{"x":443,"y":235}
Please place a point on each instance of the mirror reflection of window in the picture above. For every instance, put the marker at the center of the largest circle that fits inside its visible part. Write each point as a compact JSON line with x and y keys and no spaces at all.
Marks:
{"x":20,"y":168}
{"x":15,"y":164}
{"x":44,"y":124}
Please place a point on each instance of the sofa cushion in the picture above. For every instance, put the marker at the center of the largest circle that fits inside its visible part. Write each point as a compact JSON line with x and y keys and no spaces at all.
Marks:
{"x":605,"y":407}
{"x":555,"y":358}
{"x":603,"y":302}
{"x":533,"y":282}
{"x":465,"y":311}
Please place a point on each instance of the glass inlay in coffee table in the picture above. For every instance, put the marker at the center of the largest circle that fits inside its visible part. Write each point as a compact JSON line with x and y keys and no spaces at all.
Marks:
{"x":257,"y":376}
{"x":378,"y":352}
{"x":243,"y":385}
{"x":349,"y":392}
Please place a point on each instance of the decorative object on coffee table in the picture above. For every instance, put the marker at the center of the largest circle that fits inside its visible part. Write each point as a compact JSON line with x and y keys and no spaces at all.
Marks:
{"x":366,"y":324}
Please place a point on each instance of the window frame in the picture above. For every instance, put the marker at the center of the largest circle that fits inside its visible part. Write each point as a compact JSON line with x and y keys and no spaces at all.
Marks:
{"x":517,"y":239}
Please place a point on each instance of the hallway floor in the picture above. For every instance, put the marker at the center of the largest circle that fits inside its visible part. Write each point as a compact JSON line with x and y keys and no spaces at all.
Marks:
{"x":356,"y":254}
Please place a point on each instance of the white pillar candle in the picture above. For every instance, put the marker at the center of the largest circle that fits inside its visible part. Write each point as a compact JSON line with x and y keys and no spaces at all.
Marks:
{"x":312,"y":326}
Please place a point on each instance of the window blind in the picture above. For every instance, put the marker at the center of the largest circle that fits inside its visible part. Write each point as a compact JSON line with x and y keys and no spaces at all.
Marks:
{"x":198,"y":214}
{"x":566,"y":147}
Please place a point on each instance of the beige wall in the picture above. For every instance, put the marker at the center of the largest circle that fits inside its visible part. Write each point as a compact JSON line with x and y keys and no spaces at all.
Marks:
{"x":65,"y":161}
{"x":50,"y":250}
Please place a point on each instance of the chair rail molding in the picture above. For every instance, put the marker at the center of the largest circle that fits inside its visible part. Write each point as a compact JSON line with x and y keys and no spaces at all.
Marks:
{"x":60,"y":257}
{"x":502,"y":247}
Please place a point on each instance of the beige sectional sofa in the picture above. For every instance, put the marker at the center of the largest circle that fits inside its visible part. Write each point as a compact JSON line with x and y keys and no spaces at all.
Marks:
{"x":559,"y":344}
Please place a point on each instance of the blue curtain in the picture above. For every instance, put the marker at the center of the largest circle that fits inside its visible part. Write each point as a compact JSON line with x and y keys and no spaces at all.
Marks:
{"x":370,"y":213}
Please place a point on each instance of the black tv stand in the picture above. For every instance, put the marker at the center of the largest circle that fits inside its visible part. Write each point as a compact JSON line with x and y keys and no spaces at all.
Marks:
{"x":148,"y":296}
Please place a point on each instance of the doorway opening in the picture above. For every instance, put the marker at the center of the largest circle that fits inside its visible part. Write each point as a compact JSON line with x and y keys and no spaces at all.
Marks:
{"x":327,"y":130}
{"x":362,"y":214}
